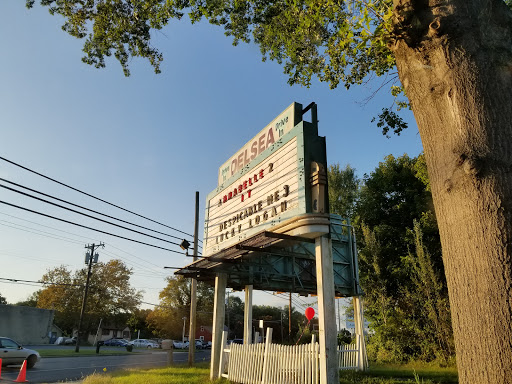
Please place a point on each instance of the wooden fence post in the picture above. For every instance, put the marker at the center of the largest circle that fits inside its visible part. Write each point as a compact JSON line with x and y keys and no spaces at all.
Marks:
{"x":266,"y":356}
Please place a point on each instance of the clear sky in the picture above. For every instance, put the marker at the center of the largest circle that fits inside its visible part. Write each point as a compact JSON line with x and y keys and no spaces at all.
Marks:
{"x":146,"y":142}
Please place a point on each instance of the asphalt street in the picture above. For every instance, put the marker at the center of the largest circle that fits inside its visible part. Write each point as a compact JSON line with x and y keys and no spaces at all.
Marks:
{"x":62,"y":369}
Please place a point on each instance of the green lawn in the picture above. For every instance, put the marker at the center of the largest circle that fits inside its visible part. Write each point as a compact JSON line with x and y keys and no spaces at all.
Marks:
{"x":180,"y":374}
{"x":408,"y":373}
{"x":378,"y":374}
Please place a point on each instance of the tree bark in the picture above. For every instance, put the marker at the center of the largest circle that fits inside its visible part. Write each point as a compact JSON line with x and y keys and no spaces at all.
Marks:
{"x":454,"y":59}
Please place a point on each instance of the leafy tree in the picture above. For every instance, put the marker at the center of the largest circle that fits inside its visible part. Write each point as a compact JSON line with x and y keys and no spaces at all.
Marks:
{"x":452,"y":63}
{"x":110,"y":295}
{"x":273,"y":317}
{"x":3,"y":300}
{"x":343,"y":190}
{"x":344,"y":337}
{"x":137,"y":322}
{"x":235,"y":317}
{"x":167,"y":319}
{"x":400,"y":262}
{"x":30,"y":301}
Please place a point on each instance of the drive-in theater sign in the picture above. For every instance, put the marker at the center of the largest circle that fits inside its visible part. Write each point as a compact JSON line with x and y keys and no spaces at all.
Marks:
{"x":264,"y":183}
{"x":268,"y":227}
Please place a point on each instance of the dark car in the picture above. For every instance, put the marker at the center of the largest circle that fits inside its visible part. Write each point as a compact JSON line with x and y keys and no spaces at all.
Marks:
{"x":115,"y":342}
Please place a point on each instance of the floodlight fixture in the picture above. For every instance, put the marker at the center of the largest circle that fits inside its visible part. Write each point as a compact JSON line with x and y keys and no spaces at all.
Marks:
{"x":184,"y":245}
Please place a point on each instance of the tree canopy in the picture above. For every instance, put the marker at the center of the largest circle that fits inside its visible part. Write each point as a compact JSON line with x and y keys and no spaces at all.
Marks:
{"x":336,"y":41}
{"x":343,"y":190}
{"x":401,"y":270}
{"x":110,"y":295}
{"x":166,"y":320}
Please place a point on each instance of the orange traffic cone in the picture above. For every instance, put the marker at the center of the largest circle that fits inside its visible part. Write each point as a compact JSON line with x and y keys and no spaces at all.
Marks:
{"x":22,"y":376}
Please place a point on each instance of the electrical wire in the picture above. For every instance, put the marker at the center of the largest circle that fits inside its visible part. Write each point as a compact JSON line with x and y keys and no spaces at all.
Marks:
{"x":86,"y":215}
{"x":92,"y":229}
{"x":47,"y":226}
{"x":58,"y":237}
{"x":36,"y":233}
{"x":40,"y":282}
{"x":87,"y":209}
{"x":94,"y":197}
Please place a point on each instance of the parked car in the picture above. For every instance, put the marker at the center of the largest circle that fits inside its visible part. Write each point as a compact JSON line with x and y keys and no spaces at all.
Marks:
{"x":62,"y":340}
{"x":180,"y":345}
{"x":237,"y":341}
{"x":144,"y":343}
{"x":13,"y":353}
{"x":70,"y":341}
{"x":199,"y":344}
{"x":114,"y":342}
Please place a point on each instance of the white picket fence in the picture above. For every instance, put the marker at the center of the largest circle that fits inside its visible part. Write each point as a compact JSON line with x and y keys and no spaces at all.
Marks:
{"x":348,"y":355}
{"x":281,"y":364}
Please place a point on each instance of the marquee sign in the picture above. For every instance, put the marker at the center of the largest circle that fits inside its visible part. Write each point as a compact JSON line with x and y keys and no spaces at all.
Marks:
{"x":266,"y":137}
{"x":264,"y":183}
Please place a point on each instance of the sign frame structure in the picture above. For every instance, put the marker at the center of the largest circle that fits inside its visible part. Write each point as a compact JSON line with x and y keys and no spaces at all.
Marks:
{"x":292,"y":245}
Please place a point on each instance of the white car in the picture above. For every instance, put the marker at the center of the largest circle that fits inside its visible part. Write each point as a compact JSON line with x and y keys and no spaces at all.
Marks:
{"x":144,"y":343}
{"x":12,"y":353}
{"x":180,"y":345}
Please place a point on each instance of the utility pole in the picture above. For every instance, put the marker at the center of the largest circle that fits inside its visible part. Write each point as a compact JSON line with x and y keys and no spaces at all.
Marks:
{"x":193,"y":293}
{"x":282,"y":330}
{"x":227,"y":310}
{"x":90,"y":257}
{"x":290,"y":318}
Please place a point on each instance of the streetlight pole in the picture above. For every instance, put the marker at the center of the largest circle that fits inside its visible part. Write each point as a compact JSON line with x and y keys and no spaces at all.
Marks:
{"x":89,"y":258}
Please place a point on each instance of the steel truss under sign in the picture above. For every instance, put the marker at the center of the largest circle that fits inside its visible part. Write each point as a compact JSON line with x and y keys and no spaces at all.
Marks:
{"x":279,"y":262}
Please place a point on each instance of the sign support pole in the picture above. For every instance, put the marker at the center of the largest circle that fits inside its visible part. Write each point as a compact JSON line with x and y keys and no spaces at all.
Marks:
{"x":248,"y":315}
{"x":219,"y":311}
{"x":327,"y":335}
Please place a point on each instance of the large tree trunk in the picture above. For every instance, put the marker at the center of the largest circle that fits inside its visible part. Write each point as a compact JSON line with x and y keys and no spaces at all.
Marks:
{"x":454,"y":59}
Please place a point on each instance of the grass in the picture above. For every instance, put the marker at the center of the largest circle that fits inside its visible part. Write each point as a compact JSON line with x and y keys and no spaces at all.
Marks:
{"x":179,"y":374}
{"x":417,"y":373}
{"x":200,"y":374}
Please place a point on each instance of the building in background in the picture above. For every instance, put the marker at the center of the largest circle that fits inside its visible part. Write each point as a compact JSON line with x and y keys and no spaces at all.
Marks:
{"x":26,"y":325}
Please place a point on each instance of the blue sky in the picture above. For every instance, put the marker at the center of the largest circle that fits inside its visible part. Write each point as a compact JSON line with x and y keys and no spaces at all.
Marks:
{"x":146,"y":142}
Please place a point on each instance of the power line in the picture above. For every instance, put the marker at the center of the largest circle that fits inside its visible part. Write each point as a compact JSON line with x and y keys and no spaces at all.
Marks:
{"x":46,"y":226}
{"x":79,"y":206}
{"x":89,"y":195}
{"x":92,"y":229}
{"x":40,"y":282}
{"x":85,"y":214}
{"x":42,"y":233}
{"x":73,"y":241}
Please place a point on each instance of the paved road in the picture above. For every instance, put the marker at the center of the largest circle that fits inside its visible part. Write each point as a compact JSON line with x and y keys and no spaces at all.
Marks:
{"x":52,"y":370}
